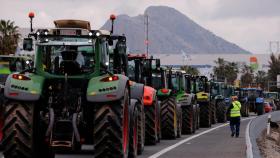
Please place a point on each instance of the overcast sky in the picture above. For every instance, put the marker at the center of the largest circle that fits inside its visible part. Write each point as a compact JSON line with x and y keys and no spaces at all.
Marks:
{"x":250,"y":24}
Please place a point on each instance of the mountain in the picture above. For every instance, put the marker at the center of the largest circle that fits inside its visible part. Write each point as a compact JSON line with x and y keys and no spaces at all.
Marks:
{"x":170,"y":32}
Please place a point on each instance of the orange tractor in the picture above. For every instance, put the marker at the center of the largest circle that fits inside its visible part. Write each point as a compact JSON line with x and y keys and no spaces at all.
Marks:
{"x":137,"y":71}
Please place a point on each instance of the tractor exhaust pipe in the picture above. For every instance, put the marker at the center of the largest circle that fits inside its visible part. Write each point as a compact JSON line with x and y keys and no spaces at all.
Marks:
{"x":112,"y":18}
{"x":31,"y":16}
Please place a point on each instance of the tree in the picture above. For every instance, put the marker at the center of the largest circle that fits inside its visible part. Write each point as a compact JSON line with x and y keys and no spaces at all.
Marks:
{"x":274,"y":70}
{"x":9,"y":37}
{"x":247,"y":76}
{"x":225,"y":70}
{"x":190,"y":70}
{"x":274,"y":67}
{"x":261,"y":78}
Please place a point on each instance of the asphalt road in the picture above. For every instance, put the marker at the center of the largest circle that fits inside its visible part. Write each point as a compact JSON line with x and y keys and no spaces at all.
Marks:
{"x":214,"y":142}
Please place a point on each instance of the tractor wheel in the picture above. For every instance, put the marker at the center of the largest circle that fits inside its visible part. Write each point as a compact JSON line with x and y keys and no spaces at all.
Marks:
{"x":1,"y":118}
{"x":244,"y":109}
{"x":260,"y":109}
{"x":141,"y":129}
{"x":205,"y":114}
{"x":179,"y":122}
{"x":111,"y":131}
{"x":197,"y":117}
{"x":158,"y":123}
{"x":133,"y":134}
{"x":169,"y":118}
{"x":188,"y":122}
{"x":150,"y":125}
{"x":277,"y":105}
{"x":221,"y":112}
{"x":23,"y":137}
{"x":213,"y":114}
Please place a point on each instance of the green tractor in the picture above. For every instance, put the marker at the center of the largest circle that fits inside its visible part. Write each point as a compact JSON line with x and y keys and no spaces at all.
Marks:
{"x":203,"y":99}
{"x":190,"y":108}
{"x":170,"y":99}
{"x":70,"y":98}
{"x":219,"y":110}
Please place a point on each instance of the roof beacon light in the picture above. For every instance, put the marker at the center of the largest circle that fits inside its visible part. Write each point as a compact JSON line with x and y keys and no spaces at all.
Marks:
{"x":31,"y":15}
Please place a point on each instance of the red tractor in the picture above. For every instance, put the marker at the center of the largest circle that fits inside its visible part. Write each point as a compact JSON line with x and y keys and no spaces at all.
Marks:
{"x":137,"y":71}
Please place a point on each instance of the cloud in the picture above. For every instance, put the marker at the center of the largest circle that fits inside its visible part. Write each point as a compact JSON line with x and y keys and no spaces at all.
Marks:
{"x":247,"y":8}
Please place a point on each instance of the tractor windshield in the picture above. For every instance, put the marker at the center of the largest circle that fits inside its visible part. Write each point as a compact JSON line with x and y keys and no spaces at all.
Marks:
{"x":131,"y":70}
{"x":67,"y":59}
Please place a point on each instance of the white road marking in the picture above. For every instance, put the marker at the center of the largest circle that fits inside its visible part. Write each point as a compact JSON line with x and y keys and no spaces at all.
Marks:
{"x":249,"y":150}
{"x":165,"y":150}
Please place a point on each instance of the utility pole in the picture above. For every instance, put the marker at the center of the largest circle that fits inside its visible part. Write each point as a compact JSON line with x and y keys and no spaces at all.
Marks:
{"x":146,"y":23}
{"x":277,"y":47}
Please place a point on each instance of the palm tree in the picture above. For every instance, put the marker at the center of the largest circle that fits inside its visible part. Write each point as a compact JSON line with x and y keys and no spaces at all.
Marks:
{"x":274,"y":67}
{"x":247,"y":76}
{"x":9,"y":37}
{"x":225,"y":70}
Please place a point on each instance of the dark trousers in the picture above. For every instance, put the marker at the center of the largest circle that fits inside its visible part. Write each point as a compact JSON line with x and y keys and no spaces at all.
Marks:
{"x":235,"y":125}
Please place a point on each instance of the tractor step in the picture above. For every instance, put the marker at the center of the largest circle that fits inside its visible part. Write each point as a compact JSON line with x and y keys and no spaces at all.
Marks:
{"x":63,"y":134}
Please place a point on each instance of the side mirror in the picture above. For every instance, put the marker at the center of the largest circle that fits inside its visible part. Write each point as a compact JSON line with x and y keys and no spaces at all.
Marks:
{"x":157,"y":63}
{"x":28,"y":44}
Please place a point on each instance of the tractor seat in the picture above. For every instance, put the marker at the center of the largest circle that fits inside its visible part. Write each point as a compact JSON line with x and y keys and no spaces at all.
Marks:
{"x":69,"y":64}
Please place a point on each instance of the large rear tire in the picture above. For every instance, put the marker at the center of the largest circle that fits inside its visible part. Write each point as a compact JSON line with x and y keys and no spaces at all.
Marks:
{"x":179,"y":122}
{"x":141,"y":129}
{"x":150,"y":125}
{"x":1,"y":118}
{"x":205,"y":114}
{"x":245,"y":109}
{"x":188,"y":122}
{"x":111,"y":131}
{"x":221,"y":112}
{"x":169,"y":118}
{"x":260,"y":109}
{"x":213,"y":113}
{"x":23,"y":137}
{"x":133,"y":138}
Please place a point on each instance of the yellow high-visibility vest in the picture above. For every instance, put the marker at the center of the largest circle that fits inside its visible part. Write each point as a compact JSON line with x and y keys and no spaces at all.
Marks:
{"x":235,"y":111}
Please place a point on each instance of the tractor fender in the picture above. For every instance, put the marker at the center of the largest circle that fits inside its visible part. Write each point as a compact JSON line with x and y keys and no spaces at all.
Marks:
{"x":149,"y":95}
{"x":98,"y":91}
{"x":202,"y":97}
{"x":188,"y":99}
{"x":136,"y":90}
{"x":219,"y":97}
{"x":24,"y":90}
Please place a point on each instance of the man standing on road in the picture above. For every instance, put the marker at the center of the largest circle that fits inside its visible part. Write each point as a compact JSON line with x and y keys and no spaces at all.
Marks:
{"x":234,"y":111}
